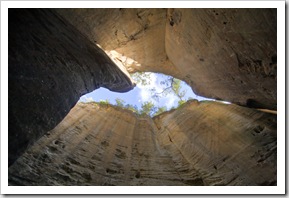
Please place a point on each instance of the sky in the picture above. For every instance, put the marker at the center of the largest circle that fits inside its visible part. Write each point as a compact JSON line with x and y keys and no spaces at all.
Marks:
{"x":142,"y":93}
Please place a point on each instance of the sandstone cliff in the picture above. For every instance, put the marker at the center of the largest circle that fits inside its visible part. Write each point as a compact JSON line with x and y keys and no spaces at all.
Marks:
{"x":50,"y":66}
{"x":54,"y":58}
{"x":206,"y":143}
{"x":227,"y":54}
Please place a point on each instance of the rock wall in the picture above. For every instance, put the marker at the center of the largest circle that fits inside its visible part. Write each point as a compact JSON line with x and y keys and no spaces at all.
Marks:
{"x":97,"y":146}
{"x":136,"y":37}
{"x":224,"y":144}
{"x":51,"y":65}
{"x":206,"y":143}
{"x":227,"y":54}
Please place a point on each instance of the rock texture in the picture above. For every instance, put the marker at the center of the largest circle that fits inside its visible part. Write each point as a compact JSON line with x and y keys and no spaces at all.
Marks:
{"x":206,"y":143}
{"x":136,"y":37}
{"x":54,"y":58}
{"x":51,"y":65}
{"x":224,"y":144}
{"x":227,"y":54}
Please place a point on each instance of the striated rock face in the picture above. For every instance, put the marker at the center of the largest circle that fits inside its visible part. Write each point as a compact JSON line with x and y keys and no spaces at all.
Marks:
{"x":205,"y":143}
{"x":225,"y":144}
{"x":97,"y":146}
{"x":228,"y":54}
{"x":51,"y":65}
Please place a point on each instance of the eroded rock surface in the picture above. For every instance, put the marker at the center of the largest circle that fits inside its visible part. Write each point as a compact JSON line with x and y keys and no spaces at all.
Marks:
{"x":205,"y":143}
{"x":136,"y":37}
{"x":51,"y":65}
{"x":225,"y":144}
{"x":227,"y":54}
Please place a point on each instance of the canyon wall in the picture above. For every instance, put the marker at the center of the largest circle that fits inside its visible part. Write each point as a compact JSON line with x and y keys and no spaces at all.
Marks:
{"x":226,"y":54}
{"x":50,"y":66}
{"x":56,"y":55}
{"x":201,"y":143}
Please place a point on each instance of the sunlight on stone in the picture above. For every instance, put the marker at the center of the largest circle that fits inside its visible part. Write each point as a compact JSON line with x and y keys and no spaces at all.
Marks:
{"x":153,"y":89}
{"x":121,"y":60}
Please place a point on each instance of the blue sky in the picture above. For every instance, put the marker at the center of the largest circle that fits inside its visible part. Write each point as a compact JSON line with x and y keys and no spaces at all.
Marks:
{"x":142,"y":93}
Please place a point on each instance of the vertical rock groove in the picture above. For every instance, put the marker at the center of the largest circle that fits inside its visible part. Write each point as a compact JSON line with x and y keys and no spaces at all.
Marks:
{"x":54,"y":57}
{"x":202,"y":143}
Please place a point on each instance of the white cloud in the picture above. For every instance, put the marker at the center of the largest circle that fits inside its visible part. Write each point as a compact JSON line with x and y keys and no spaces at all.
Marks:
{"x":145,"y":90}
{"x":90,"y":99}
{"x":170,"y":99}
{"x":145,"y":93}
{"x":84,"y":98}
{"x":171,"y":102}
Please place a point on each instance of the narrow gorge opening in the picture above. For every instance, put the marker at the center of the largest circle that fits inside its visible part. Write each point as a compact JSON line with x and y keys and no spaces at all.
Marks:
{"x":55,"y":57}
{"x":154,"y":94}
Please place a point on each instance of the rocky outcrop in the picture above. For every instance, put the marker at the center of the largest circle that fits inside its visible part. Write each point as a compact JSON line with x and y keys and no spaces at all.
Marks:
{"x":227,"y":54}
{"x":201,"y":143}
{"x":51,"y":65}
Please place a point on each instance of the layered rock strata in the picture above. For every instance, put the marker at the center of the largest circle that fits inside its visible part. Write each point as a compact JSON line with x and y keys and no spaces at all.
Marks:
{"x":201,"y":143}
{"x":51,"y":64}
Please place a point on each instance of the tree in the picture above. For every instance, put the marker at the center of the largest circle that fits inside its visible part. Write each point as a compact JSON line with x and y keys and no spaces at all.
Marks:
{"x":119,"y":102}
{"x":168,"y":85}
{"x":148,"y":108}
{"x":171,"y":85}
{"x":180,"y":102}
{"x":104,"y":101}
{"x":160,"y":110}
{"x":132,"y":108}
{"x":142,"y":78}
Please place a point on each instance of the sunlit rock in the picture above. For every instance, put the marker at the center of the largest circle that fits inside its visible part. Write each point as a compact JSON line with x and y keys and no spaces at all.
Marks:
{"x":201,"y":143}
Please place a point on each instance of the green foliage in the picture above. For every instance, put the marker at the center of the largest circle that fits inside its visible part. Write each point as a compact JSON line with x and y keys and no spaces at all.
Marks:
{"x":132,"y":108}
{"x":119,"y":102}
{"x":147,"y":108}
{"x":160,"y":110}
{"x":180,"y":102}
{"x":169,"y":85}
{"x":176,"y":87}
{"x":142,"y":78}
{"x":104,"y":101}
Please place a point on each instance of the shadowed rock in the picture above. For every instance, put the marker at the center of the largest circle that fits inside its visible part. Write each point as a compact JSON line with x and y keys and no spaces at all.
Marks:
{"x":51,"y":65}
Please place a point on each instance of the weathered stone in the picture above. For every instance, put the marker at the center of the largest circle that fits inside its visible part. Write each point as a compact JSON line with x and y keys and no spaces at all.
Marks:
{"x":205,"y":143}
{"x":227,"y":54}
{"x":50,"y":66}
{"x":225,"y":144}
{"x":136,"y":35}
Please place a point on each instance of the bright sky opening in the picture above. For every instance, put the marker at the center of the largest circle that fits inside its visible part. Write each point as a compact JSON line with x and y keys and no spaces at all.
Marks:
{"x":143,"y":93}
